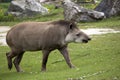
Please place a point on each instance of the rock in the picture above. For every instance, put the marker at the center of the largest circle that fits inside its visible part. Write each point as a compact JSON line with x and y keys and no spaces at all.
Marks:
{"x":77,"y":13}
{"x":34,"y":7}
{"x":109,"y":7}
{"x":21,"y":8}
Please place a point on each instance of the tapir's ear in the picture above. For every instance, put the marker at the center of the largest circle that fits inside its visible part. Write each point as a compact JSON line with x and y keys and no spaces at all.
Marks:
{"x":71,"y":26}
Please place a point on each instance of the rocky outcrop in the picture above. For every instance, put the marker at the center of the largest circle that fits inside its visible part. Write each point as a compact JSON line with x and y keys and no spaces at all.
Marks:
{"x":77,"y":13}
{"x":21,"y":8}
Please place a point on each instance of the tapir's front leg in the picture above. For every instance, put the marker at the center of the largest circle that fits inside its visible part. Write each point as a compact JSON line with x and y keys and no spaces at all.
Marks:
{"x":45,"y":58}
{"x":65,"y":54}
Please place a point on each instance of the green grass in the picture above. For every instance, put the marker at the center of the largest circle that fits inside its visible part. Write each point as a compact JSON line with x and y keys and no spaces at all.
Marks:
{"x":113,"y":22}
{"x":97,"y":60}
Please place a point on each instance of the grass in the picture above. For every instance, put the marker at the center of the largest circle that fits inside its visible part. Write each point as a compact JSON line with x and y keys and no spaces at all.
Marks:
{"x":113,"y":22}
{"x":97,"y":60}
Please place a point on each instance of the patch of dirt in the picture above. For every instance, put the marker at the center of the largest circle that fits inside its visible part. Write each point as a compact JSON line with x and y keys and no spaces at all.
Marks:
{"x":3,"y":32}
{"x":99,"y":31}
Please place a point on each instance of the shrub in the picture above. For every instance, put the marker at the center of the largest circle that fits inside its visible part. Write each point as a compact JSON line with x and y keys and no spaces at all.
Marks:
{"x":4,"y":17}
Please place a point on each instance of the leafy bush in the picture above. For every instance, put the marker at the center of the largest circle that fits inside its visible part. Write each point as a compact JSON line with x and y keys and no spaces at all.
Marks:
{"x":4,"y":17}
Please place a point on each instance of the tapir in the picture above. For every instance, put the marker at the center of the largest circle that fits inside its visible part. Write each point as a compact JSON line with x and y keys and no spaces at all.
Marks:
{"x":44,"y":36}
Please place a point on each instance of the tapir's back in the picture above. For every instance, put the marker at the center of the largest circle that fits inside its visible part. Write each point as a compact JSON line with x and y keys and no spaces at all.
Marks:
{"x":31,"y":36}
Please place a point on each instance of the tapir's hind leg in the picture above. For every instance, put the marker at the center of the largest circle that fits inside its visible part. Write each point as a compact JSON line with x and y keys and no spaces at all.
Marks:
{"x":17,"y":61}
{"x":9,"y":56}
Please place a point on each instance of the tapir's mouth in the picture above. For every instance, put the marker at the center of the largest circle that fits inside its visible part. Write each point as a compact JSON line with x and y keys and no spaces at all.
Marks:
{"x":85,"y":41}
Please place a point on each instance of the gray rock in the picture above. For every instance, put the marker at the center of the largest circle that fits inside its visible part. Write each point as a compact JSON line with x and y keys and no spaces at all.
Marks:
{"x":109,"y":7}
{"x":21,"y":8}
{"x":77,"y":13}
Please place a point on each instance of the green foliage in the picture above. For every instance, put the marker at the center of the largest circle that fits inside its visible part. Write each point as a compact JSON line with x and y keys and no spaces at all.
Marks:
{"x":6,"y":18}
{"x":3,"y":17}
{"x":4,"y":6}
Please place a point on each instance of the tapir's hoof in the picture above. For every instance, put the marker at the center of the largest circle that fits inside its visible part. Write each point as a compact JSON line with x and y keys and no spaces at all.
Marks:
{"x":72,"y":66}
{"x":43,"y":70}
{"x":9,"y":66}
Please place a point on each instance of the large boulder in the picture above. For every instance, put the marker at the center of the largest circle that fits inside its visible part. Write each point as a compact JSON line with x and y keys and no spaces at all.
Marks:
{"x":109,"y":7}
{"x":21,"y":8}
{"x":77,"y":13}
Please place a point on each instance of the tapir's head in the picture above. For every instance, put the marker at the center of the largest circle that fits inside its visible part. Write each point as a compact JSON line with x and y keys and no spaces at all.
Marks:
{"x":76,"y":35}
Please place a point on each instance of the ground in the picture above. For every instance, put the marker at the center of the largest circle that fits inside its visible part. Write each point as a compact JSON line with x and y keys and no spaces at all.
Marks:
{"x":97,"y":60}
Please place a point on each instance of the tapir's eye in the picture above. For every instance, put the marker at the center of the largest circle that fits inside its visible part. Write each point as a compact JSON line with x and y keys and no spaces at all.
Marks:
{"x":78,"y":34}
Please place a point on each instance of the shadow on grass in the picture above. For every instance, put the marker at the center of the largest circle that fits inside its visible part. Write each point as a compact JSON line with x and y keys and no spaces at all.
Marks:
{"x":74,"y":58}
